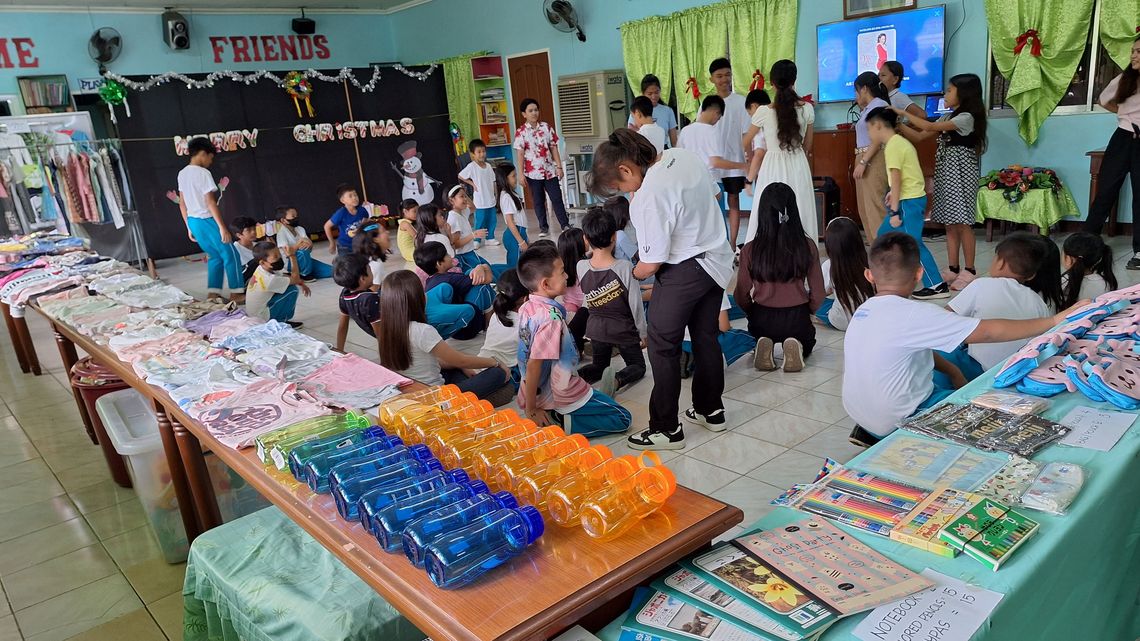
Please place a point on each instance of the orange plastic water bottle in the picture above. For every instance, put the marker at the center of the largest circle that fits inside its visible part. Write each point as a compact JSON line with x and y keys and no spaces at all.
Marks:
{"x":405,"y":419}
{"x":564,"y":497}
{"x":531,"y":487}
{"x":459,"y":450}
{"x":488,"y":455}
{"x":510,"y":469}
{"x":444,"y":435}
{"x":614,"y":509}
{"x":432,"y":396}
{"x":417,"y":429}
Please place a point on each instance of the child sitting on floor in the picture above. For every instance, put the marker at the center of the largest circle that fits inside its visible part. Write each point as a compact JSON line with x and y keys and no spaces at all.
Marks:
{"x":269,"y":293}
{"x":1088,"y":268}
{"x":890,"y":368}
{"x":292,"y":235}
{"x":502,"y":339}
{"x":844,"y":281}
{"x":572,"y":249}
{"x":463,"y":237}
{"x":1018,"y":259}
{"x":244,"y":231}
{"x":432,"y":258}
{"x":548,"y":358}
{"x":357,"y":299}
{"x":612,"y":296}
{"x":373,"y":242}
{"x":406,"y":229}
{"x":734,"y":343}
{"x":780,"y":283}
{"x":432,"y":226}
{"x":413,"y":348}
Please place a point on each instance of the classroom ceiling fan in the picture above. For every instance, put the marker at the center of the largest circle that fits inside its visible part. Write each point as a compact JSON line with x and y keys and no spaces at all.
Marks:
{"x":562,"y":16}
{"x":104,"y":46}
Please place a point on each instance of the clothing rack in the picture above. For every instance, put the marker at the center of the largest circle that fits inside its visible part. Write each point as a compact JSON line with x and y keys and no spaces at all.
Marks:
{"x":118,"y":233}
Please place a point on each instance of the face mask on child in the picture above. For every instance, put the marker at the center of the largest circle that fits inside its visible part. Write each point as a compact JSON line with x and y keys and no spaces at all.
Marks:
{"x":278,"y":264}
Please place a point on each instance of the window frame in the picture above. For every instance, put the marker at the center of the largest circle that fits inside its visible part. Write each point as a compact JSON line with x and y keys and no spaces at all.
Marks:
{"x":1090,"y":105}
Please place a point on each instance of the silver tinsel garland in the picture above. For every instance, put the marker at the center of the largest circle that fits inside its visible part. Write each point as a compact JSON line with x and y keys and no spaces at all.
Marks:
{"x":250,"y":78}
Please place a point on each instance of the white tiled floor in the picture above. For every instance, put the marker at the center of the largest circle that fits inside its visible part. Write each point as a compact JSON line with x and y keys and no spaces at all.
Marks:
{"x":78,"y":561}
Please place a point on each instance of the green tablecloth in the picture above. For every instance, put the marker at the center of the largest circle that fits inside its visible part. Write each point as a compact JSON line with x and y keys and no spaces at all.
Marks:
{"x":263,"y":578}
{"x":1039,"y":207}
{"x":1078,"y":578}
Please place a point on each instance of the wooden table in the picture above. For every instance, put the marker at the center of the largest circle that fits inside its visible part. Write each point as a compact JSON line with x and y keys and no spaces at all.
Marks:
{"x":1096,"y":157}
{"x":562,"y":579}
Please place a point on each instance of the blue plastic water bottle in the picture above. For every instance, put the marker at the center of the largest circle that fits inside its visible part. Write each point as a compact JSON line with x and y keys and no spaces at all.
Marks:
{"x":461,"y":556}
{"x":388,"y":524}
{"x":351,"y":466}
{"x":302,"y":454}
{"x":379,"y":497}
{"x":425,"y":529}
{"x":347,"y":491}
{"x":317,"y":470}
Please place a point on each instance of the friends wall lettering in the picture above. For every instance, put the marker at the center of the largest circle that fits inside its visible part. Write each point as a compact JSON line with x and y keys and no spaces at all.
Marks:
{"x":269,"y":48}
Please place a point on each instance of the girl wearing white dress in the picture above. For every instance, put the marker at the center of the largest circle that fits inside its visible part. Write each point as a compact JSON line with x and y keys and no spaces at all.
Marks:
{"x":787,"y":126}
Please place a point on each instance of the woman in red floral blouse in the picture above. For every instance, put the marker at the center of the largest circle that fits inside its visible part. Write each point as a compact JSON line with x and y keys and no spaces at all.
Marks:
{"x":536,"y":151}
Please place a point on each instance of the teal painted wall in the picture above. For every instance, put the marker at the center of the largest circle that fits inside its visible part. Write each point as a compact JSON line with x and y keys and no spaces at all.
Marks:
{"x":516,"y":26}
{"x":354,"y":39}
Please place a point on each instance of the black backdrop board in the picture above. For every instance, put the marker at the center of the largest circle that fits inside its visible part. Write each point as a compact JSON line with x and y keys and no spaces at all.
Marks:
{"x":280,"y":170}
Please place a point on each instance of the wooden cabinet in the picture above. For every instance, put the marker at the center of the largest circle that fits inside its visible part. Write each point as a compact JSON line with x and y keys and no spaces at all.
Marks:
{"x":833,"y":154}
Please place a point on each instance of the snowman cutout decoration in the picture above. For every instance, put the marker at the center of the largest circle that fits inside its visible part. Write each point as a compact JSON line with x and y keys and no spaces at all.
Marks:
{"x":417,"y":184}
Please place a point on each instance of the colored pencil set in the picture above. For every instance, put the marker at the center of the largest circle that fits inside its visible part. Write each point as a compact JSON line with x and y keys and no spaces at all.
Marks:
{"x":865,"y":501}
{"x":921,"y":528}
{"x":989,"y":532}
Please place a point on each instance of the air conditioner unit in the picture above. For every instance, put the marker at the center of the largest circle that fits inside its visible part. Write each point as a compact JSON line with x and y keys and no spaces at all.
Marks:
{"x":590,"y":107}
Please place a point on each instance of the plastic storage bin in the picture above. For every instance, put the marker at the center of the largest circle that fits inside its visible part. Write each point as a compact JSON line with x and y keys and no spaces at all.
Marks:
{"x":133,"y":429}
{"x":93,"y":381}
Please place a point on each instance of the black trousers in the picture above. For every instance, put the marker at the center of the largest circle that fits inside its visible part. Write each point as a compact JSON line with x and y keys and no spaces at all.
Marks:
{"x":1121,"y":160}
{"x":782,"y":323}
{"x":577,"y":327}
{"x":634,"y":369}
{"x":684,"y":296}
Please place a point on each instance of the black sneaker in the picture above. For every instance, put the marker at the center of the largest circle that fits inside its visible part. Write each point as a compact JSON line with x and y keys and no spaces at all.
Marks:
{"x":295,"y":324}
{"x":650,"y":440}
{"x":686,"y":364}
{"x":1133,"y":263}
{"x":308,"y":279}
{"x":862,"y":438}
{"x":930,"y":293}
{"x":715,"y":422}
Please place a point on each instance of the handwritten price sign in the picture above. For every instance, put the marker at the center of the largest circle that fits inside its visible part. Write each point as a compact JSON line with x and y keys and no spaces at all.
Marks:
{"x":949,"y":611}
{"x":1095,"y":429}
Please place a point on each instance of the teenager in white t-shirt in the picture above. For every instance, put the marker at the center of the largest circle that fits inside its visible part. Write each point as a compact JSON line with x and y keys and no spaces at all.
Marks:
{"x":641,"y":112}
{"x":732,"y":128}
{"x":1018,"y":258}
{"x":480,"y":175}
{"x":890,"y":368}
{"x":198,"y":199}
{"x":703,"y":139}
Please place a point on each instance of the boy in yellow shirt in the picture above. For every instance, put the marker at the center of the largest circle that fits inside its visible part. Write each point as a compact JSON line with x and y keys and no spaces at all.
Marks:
{"x":906,"y":201}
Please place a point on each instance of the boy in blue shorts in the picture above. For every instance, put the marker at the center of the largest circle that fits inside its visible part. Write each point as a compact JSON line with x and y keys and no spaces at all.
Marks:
{"x":548,"y":360}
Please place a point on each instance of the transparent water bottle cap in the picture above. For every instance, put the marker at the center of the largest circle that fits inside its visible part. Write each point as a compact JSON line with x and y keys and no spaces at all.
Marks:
{"x":457,"y":475}
{"x":534,"y":525}
{"x":432,"y":465}
{"x":506,"y":500}
{"x":420,"y":452}
{"x":476,"y":487}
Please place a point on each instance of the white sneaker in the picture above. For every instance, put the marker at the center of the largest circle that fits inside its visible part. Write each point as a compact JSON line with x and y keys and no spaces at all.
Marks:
{"x":491,"y":242}
{"x":649,"y":440}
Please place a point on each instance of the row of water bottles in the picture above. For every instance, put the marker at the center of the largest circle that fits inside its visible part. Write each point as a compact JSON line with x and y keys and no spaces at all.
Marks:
{"x":562,"y":475}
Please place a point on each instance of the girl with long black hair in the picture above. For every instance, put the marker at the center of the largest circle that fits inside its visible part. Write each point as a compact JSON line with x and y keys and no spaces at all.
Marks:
{"x":870,"y":170}
{"x":787,"y":127}
{"x":774,"y":268}
{"x":1122,"y":155}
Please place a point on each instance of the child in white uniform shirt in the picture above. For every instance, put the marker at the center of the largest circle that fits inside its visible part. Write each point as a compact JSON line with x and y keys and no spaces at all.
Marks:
{"x":481,"y":176}
{"x":703,"y":138}
{"x":502,"y":338}
{"x":891,"y":369}
{"x":641,"y":111}
{"x":292,"y":235}
{"x":1019,"y":259}
{"x":270,"y":294}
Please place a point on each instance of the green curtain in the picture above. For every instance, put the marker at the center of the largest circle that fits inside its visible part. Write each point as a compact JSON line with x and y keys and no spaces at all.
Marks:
{"x":645,"y":47}
{"x":760,"y":32}
{"x":700,"y":36}
{"x":1118,"y":22}
{"x":1036,"y":83}
{"x":461,"y":94}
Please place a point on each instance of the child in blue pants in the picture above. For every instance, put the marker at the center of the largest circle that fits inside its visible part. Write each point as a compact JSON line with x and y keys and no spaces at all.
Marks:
{"x":271,"y":294}
{"x":480,"y":176}
{"x":433,"y":259}
{"x":198,"y":199}
{"x":735,"y":343}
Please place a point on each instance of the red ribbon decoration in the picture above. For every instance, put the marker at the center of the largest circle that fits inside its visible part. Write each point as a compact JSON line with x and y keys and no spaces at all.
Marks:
{"x":691,"y":85}
{"x":808,"y":99}
{"x":1032,"y":38}
{"x":1137,"y":28}
{"x":757,"y":81}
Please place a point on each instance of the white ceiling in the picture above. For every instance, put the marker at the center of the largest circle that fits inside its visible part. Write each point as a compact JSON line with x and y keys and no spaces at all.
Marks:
{"x":237,"y":6}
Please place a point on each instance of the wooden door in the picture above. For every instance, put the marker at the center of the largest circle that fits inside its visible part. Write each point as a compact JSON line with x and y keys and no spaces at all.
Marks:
{"x":832,"y":155}
{"x":530,"y":78}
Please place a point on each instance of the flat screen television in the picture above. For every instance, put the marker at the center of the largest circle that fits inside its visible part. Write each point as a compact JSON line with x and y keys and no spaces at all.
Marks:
{"x":915,"y":38}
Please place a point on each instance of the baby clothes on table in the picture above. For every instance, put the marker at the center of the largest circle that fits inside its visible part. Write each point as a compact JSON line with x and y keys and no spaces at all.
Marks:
{"x":232,"y":327}
{"x":238,"y":417}
{"x":351,"y":382}
{"x":156,"y":296}
{"x":120,"y":283}
{"x":280,"y":360}
{"x":205,"y":324}
{"x":260,"y":335}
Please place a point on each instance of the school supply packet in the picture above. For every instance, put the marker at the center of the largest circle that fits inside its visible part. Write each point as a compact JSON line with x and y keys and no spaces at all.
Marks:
{"x":922,"y":526}
{"x":988,"y":429}
{"x":989,"y":532}
{"x":657,"y":616}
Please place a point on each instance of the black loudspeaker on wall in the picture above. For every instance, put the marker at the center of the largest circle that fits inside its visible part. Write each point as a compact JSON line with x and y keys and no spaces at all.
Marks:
{"x":304,"y":26}
{"x":175,"y":30}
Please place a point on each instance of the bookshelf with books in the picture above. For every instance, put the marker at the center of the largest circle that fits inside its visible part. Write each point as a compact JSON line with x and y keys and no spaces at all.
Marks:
{"x":491,"y":101}
{"x":45,"y":94}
